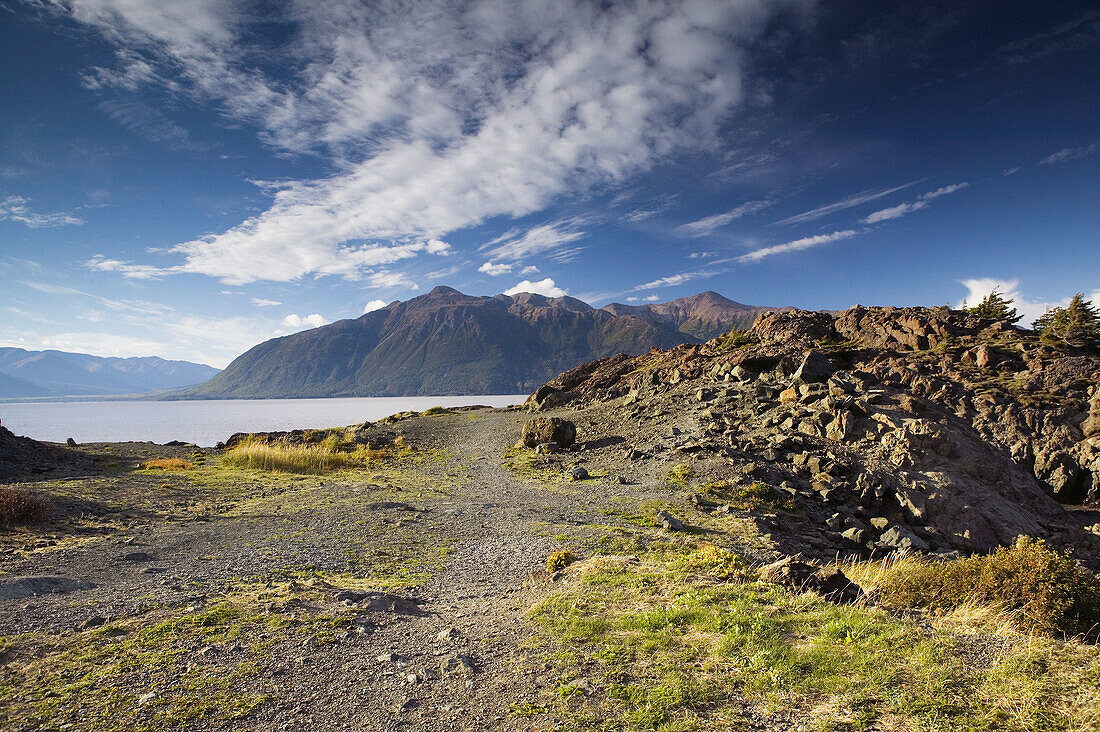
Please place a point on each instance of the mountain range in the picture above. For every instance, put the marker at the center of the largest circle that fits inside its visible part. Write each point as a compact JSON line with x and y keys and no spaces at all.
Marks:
{"x":446,"y":342}
{"x":26,"y":374}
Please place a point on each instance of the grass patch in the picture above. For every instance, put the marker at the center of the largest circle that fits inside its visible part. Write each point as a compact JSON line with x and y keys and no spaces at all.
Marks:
{"x":19,"y":507}
{"x":679,"y":476}
{"x":683,"y":636}
{"x":435,"y":412}
{"x":287,"y":458}
{"x":168,"y":464}
{"x":734,"y":340}
{"x":1037,"y":588}
{"x":746,"y":498}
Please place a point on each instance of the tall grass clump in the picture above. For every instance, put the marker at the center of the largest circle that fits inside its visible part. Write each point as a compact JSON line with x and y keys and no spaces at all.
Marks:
{"x":286,"y":458}
{"x":167,"y":464}
{"x":1042,"y":590}
{"x":19,"y":506}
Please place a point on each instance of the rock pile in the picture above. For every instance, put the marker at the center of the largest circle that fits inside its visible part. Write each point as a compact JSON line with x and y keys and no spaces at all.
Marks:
{"x":915,"y":428}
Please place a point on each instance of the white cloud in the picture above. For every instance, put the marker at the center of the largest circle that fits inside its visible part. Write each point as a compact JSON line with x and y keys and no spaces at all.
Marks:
{"x":264,"y":302}
{"x":647,"y":298}
{"x":529,"y":270}
{"x":702,"y":255}
{"x":14,"y":208}
{"x":545,"y":287}
{"x":894,"y":212}
{"x":795,"y":246}
{"x":922,"y":201}
{"x":314,"y":320}
{"x":373,"y":305}
{"x":495,"y":270}
{"x":1071,"y":153}
{"x":127,"y":269}
{"x":432,"y":120}
{"x":673,"y":280}
{"x":386,"y":278}
{"x":707,"y":225}
{"x":852,"y":201}
{"x":537,"y":240}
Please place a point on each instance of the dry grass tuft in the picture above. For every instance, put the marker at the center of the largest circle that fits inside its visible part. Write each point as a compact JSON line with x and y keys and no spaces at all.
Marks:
{"x":19,"y":506}
{"x":1029,"y":587}
{"x":167,"y":464}
{"x":304,"y":458}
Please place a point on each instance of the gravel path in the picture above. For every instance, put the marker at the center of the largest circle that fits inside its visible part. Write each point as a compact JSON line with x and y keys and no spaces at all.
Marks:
{"x":457,"y":664}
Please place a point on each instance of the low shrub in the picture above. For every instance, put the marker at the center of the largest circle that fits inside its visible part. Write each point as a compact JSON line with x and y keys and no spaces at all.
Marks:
{"x":735,"y":339}
{"x":167,"y":464}
{"x":19,"y":506}
{"x":559,"y":560}
{"x":435,"y":411}
{"x":1045,"y":591}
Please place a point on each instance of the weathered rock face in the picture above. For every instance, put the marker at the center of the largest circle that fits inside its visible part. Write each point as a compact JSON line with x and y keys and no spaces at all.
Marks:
{"x":549,"y":429}
{"x":800,"y":576}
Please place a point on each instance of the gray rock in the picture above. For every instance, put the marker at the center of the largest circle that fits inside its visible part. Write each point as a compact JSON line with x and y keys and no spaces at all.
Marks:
{"x":815,"y":368}
{"x":549,"y":429}
{"x":900,"y":537}
{"x":666,"y":520}
{"x":457,"y":664}
{"x":580,"y":473}
{"x":15,"y":588}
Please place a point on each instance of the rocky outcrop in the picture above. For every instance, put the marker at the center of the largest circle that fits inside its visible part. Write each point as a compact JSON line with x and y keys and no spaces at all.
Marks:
{"x":22,"y":458}
{"x":918,"y":428}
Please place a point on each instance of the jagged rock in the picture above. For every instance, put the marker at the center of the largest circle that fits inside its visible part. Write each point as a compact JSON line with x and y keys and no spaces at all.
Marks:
{"x":829,"y":582}
{"x":549,"y":429}
{"x":666,"y":520}
{"x":547,"y":448}
{"x":580,"y":473}
{"x":815,"y":368}
{"x":545,"y":397}
{"x":1091,"y":425}
{"x":899,"y":537}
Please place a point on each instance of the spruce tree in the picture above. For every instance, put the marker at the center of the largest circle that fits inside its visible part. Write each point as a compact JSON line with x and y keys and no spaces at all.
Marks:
{"x":1077,"y":324}
{"x":995,"y":306}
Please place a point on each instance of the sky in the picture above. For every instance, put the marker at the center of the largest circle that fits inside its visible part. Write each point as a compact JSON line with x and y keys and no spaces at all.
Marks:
{"x":189,"y":178}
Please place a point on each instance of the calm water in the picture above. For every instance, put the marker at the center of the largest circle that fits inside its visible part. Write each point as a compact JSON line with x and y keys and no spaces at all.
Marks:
{"x":209,"y":422}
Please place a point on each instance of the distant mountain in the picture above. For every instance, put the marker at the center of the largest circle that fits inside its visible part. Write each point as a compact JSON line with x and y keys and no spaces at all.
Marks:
{"x":446,"y":342}
{"x":57,"y":373}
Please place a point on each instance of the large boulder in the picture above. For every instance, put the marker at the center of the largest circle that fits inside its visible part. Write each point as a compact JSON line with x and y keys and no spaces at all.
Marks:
{"x":816,"y":368}
{"x":549,"y":429}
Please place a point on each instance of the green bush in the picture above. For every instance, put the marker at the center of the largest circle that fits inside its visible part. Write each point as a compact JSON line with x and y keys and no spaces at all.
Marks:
{"x":1047,"y":592}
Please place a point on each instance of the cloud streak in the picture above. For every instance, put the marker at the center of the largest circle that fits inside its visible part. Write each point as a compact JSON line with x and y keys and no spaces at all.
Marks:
{"x":857,"y":199}
{"x":902,"y":209}
{"x":707,"y":225}
{"x":15,"y":208}
{"x":797,"y":245}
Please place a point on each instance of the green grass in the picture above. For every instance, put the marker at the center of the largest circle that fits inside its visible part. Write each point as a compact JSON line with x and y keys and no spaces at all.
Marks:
{"x":679,"y":476}
{"x":683,"y":636}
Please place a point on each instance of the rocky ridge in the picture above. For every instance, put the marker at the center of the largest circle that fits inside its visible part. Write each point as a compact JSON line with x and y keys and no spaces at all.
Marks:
{"x":916,"y":428}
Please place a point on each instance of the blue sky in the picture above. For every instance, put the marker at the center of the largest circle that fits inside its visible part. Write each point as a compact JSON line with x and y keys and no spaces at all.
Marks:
{"x":187,"y":179}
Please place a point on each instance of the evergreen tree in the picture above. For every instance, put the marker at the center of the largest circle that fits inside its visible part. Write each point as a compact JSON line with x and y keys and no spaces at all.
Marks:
{"x":995,"y":306}
{"x":1077,"y":324}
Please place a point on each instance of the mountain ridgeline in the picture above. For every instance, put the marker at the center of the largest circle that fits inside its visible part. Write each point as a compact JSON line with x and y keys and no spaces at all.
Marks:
{"x":30,"y":374}
{"x":446,"y":342}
